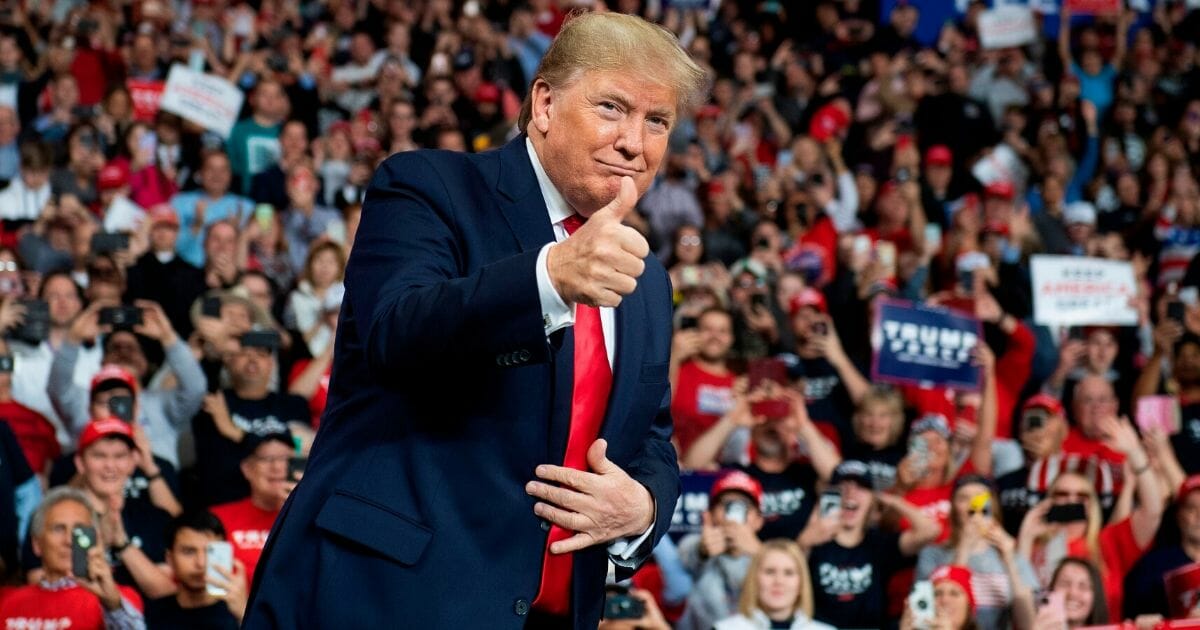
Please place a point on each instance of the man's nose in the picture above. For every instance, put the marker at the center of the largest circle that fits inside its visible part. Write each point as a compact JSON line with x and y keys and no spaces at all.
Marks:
{"x":629,"y":141}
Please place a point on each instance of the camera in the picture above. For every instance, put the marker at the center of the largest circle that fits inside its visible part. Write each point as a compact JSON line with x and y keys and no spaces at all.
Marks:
{"x":121,"y":316}
{"x":6,"y":364}
{"x":121,"y":407}
{"x":622,"y":605}
{"x":903,"y":175}
{"x":736,"y":511}
{"x":36,"y":327}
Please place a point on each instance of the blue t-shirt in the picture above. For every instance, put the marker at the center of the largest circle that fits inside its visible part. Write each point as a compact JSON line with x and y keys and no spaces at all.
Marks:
{"x":1097,"y":88}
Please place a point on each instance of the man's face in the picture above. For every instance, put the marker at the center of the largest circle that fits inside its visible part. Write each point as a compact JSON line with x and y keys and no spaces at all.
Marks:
{"x":1042,"y":434}
{"x":600,"y":128}
{"x":187,"y":558}
{"x":1101,"y":349}
{"x":721,"y":507}
{"x":716,"y":336}
{"x":259,"y":291}
{"x":54,"y":545}
{"x":221,"y":241}
{"x":939,"y":176}
{"x":1187,"y":363}
{"x":270,"y":101}
{"x":62,"y":298}
{"x":1094,"y":401}
{"x":106,"y":465}
{"x":293,"y":140}
{"x":216,"y":175}
{"x":251,"y":366}
{"x":35,"y":178}
{"x":123,"y":349}
{"x":163,"y":236}
{"x":266,"y":470}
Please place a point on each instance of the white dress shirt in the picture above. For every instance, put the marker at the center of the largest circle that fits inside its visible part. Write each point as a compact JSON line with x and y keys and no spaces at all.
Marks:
{"x":557,"y":314}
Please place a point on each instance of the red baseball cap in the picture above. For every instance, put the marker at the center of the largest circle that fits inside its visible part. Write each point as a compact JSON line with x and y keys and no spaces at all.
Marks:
{"x":1186,"y":488}
{"x":108,"y":427}
{"x":1000,"y":189}
{"x":113,"y":374}
{"x":1045,"y":402}
{"x":163,"y":213}
{"x":960,"y":575}
{"x":487,"y":93}
{"x":737,"y":481}
{"x":810,"y":297}
{"x":939,"y":155}
{"x":111,"y":176}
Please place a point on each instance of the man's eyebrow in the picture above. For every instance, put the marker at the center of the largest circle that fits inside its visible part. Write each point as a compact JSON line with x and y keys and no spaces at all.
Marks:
{"x":624,"y":102}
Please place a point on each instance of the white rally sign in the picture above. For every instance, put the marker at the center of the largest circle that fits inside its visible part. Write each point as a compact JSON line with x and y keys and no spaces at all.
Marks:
{"x":1006,"y":26}
{"x":204,"y":99}
{"x":1077,"y":291}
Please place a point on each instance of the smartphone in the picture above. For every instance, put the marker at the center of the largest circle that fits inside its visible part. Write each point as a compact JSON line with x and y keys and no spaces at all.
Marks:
{"x":36,"y":327}
{"x":121,"y":407}
{"x":264,"y":214}
{"x":296,"y":466}
{"x":622,"y":605}
{"x":762,"y":370}
{"x":109,"y":242}
{"x":6,"y":363}
{"x":211,"y":307}
{"x":736,"y":511}
{"x":966,"y":281}
{"x":121,"y":316}
{"x":1176,"y":310}
{"x":933,"y":236}
{"x":148,"y":145}
{"x":820,"y":328}
{"x":1066,"y":513}
{"x":830,"y":503}
{"x":217,"y":553}
{"x":688,"y":323}
{"x":758,"y":300}
{"x":771,"y":409}
{"x":1056,"y":601}
{"x":918,"y":449}
{"x":268,"y":339}
{"x":885,"y":253}
{"x":921,"y":604}
{"x":83,"y":538}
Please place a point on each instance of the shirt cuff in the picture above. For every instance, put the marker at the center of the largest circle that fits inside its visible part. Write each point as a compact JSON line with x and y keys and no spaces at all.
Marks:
{"x":127,"y":617}
{"x":620,"y":551}
{"x":556,"y":314}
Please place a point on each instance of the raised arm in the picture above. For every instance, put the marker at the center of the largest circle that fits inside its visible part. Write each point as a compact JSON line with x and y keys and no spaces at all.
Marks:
{"x":1064,"y":38}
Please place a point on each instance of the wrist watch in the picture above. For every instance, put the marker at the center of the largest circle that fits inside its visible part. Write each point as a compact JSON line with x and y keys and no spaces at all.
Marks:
{"x":118,"y":548}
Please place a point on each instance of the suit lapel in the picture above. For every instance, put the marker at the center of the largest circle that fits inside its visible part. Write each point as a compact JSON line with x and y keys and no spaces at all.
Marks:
{"x":520,"y":198}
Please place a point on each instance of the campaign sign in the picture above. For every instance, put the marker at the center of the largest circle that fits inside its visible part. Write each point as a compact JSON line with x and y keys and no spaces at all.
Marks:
{"x":1093,"y":7}
{"x":921,"y":345}
{"x":692,"y":503}
{"x":1079,"y":291}
{"x":1183,"y":589}
{"x":146,"y":96}
{"x":204,"y":99}
{"x":1006,"y":26}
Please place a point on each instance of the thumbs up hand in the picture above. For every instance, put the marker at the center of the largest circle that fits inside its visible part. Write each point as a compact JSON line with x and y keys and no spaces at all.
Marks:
{"x":600,"y":263}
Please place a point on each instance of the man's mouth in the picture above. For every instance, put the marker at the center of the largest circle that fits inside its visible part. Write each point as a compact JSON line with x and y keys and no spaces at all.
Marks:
{"x":622,"y":170}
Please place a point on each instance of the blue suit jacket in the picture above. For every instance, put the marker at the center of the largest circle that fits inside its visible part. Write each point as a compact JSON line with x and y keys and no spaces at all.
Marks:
{"x":445,"y":395}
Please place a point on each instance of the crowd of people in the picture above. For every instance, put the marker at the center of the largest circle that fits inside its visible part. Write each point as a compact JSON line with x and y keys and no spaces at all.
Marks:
{"x":169,"y":297}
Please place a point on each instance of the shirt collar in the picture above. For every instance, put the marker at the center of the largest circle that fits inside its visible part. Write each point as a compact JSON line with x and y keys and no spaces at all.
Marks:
{"x":556,"y":206}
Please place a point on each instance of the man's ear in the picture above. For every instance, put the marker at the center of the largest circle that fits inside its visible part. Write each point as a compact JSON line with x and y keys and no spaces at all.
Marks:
{"x":542,"y":101}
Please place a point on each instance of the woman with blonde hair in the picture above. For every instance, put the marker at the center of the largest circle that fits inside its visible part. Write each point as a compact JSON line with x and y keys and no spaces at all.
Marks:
{"x":777,"y":592}
{"x":1047,"y":538}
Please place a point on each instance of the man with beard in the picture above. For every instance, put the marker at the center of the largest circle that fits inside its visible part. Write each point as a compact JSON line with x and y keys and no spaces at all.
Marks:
{"x":192,"y":606}
{"x":701,"y":381}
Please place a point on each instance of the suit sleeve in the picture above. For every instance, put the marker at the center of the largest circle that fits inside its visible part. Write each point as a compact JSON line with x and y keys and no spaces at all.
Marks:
{"x":412,"y":302}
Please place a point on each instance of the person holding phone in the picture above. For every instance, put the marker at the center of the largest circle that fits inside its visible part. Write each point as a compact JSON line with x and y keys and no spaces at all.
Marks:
{"x":93,"y":601}
{"x":978,"y":542}
{"x":701,"y":381}
{"x":833,"y":383}
{"x":853,"y":560}
{"x":719,"y":556}
{"x":193,"y":605}
{"x":777,"y":593}
{"x":1068,"y":523}
{"x":1145,"y":592}
{"x":954,"y":603}
{"x":1075,"y":598}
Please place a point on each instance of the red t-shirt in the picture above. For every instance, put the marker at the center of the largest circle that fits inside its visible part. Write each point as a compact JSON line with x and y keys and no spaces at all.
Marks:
{"x":73,"y":607}
{"x":1120,"y":551}
{"x":700,"y":399}
{"x":1108,"y":474}
{"x":316,"y":403}
{"x":34,"y":433}
{"x":247,"y":527}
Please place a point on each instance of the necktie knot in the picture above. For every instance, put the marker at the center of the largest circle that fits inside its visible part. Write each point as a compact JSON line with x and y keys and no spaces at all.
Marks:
{"x":573,"y":223}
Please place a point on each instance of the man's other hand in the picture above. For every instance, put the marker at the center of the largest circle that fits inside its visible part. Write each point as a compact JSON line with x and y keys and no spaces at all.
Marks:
{"x":600,"y":263}
{"x":599,"y":506}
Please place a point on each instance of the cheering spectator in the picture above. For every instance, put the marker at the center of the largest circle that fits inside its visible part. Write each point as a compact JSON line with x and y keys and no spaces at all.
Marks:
{"x":265,"y":466}
{"x":875,"y":437}
{"x":701,"y":381}
{"x":270,"y":186}
{"x":323,"y":271}
{"x":719,"y":557}
{"x":852,"y":562}
{"x":1076,"y":597}
{"x":33,"y":432}
{"x":778,"y":591}
{"x":833,"y":384}
{"x":212,"y":203}
{"x":28,"y":193}
{"x":90,"y":602}
{"x":954,"y":602}
{"x":1145,"y":593}
{"x":161,"y":276}
{"x":305,"y":221}
{"x":254,"y":141}
{"x":193,"y":605}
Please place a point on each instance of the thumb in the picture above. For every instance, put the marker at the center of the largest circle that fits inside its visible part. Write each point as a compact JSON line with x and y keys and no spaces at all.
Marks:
{"x":598,"y":459}
{"x":621,"y":206}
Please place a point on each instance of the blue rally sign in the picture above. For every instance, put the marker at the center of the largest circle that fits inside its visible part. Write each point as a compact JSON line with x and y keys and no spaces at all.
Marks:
{"x":693,"y":501}
{"x":922,"y":345}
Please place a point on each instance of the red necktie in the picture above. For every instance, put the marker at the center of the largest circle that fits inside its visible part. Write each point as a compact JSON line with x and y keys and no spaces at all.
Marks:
{"x":592,"y":383}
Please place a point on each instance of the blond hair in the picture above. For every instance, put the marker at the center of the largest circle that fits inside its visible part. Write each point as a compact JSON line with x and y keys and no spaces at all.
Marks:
{"x":616,"y":42}
{"x":884,"y":396}
{"x":748,"y":602}
{"x":1095,"y":519}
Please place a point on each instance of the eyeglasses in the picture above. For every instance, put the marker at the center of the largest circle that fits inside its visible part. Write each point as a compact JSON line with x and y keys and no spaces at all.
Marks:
{"x":1071,"y":497}
{"x":690,"y":241}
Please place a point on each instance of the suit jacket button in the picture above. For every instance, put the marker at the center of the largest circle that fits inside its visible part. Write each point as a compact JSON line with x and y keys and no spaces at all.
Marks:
{"x":545,"y":525}
{"x":521,"y":607}
{"x":523,"y":355}
{"x":500,"y":359}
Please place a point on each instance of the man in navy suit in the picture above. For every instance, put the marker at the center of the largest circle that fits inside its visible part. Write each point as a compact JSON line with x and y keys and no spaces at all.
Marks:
{"x":497,"y":428}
